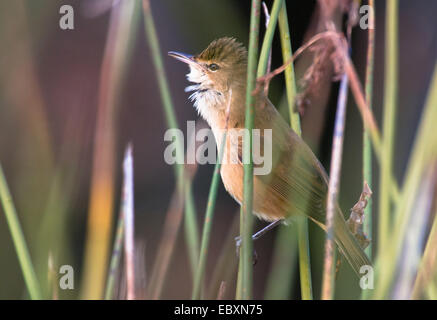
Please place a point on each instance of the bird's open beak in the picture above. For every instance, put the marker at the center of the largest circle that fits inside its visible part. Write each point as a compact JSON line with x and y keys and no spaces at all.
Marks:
{"x":187,"y":58}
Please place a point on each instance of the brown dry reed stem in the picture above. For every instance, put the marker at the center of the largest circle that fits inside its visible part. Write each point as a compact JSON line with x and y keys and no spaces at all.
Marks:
{"x":222,"y":291}
{"x":128,"y":213}
{"x":166,"y":246}
{"x":328,"y":284}
{"x":52,"y":277}
{"x":226,"y":264}
{"x":168,"y":239}
{"x":116,"y":56}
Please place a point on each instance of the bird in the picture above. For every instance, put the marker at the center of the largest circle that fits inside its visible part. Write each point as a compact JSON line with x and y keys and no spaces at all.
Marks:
{"x":297,"y":183}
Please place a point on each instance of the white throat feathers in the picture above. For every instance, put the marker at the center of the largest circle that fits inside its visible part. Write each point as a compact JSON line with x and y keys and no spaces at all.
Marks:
{"x":206,"y":99}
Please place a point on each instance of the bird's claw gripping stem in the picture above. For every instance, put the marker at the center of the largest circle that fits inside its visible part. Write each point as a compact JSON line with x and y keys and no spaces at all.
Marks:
{"x":238,"y":245}
{"x":256,"y":236}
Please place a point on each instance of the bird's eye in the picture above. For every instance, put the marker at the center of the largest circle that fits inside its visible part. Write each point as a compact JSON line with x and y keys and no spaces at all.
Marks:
{"x":213,"y":67}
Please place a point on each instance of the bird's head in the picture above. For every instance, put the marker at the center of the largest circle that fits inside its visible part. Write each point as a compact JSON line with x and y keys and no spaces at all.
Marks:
{"x":218,"y":68}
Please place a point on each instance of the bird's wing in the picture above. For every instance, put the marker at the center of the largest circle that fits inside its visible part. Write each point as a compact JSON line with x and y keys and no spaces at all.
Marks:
{"x":300,"y":181}
{"x":296,"y":177}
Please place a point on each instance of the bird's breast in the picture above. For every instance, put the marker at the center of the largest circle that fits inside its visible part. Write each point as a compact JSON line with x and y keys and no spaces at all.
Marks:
{"x":266,"y":205}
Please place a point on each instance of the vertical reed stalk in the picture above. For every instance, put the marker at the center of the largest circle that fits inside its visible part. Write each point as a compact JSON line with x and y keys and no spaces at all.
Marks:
{"x":428,"y":266}
{"x":415,"y":233}
{"x":389,"y":119}
{"x":115,"y":258}
{"x":268,"y":39}
{"x":284,"y":275}
{"x":422,"y":155}
{"x":290,"y":83}
{"x":226,"y":265}
{"x":200,"y":271}
{"x":164,"y":90}
{"x":170,"y":116}
{"x":116,"y":56}
{"x":280,"y":278}
{"x":128,"y":213}
{"x":191,"y":230}
{"x":190,"y":227}
{"x":172,"y":223}
{"x":290,"y":78}
{"x":239,"y":286}
{"x":18,"y":239}
{"x":333,"y":189}
{"x":247,"y":207}
{"x":367,"y":148}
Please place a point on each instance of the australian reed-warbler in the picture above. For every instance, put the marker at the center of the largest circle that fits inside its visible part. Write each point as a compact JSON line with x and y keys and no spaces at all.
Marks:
{"x":297,"y":183}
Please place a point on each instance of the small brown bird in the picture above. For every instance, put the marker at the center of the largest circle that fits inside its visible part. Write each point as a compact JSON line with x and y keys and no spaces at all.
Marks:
{"x":297,"y":183}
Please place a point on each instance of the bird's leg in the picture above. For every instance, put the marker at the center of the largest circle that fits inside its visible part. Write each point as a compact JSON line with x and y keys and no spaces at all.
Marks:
{"x":258,"y":234}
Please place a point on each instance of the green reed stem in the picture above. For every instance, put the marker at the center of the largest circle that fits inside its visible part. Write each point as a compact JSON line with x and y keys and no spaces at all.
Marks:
{"x":247,"y":206}
{"x":167,"y":102}
{"x":290,"y":78}
{"x":192,"y":233}
{"x":367,"y":148}
{"x":280,"y":278}
{"x":281,"y":275}
{"x":206,"y":234}
{"x":118,"y":49}
{"x":191,"y":227}
{"x":290,"y":83}
{"x":18,"y":238}
{"x":239,"y":286}
{"x":268,"y":39}
{"x":369,"y":122}
{"x":226,"y":265}
{"x":306,"y":288}
{"x":115,"y":258}
{"x":424,"y":153}
{"x":389,"y":119}
{"x":427,"y":269}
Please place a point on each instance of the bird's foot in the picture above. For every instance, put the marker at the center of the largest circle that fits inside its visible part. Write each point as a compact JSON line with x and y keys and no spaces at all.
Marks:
{"x":238,"y":242}
{"x":237,"y":245}
{"x":256,"y":236}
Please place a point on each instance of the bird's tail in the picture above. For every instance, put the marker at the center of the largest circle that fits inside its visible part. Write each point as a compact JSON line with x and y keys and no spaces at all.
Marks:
{"x":348,"y":245}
